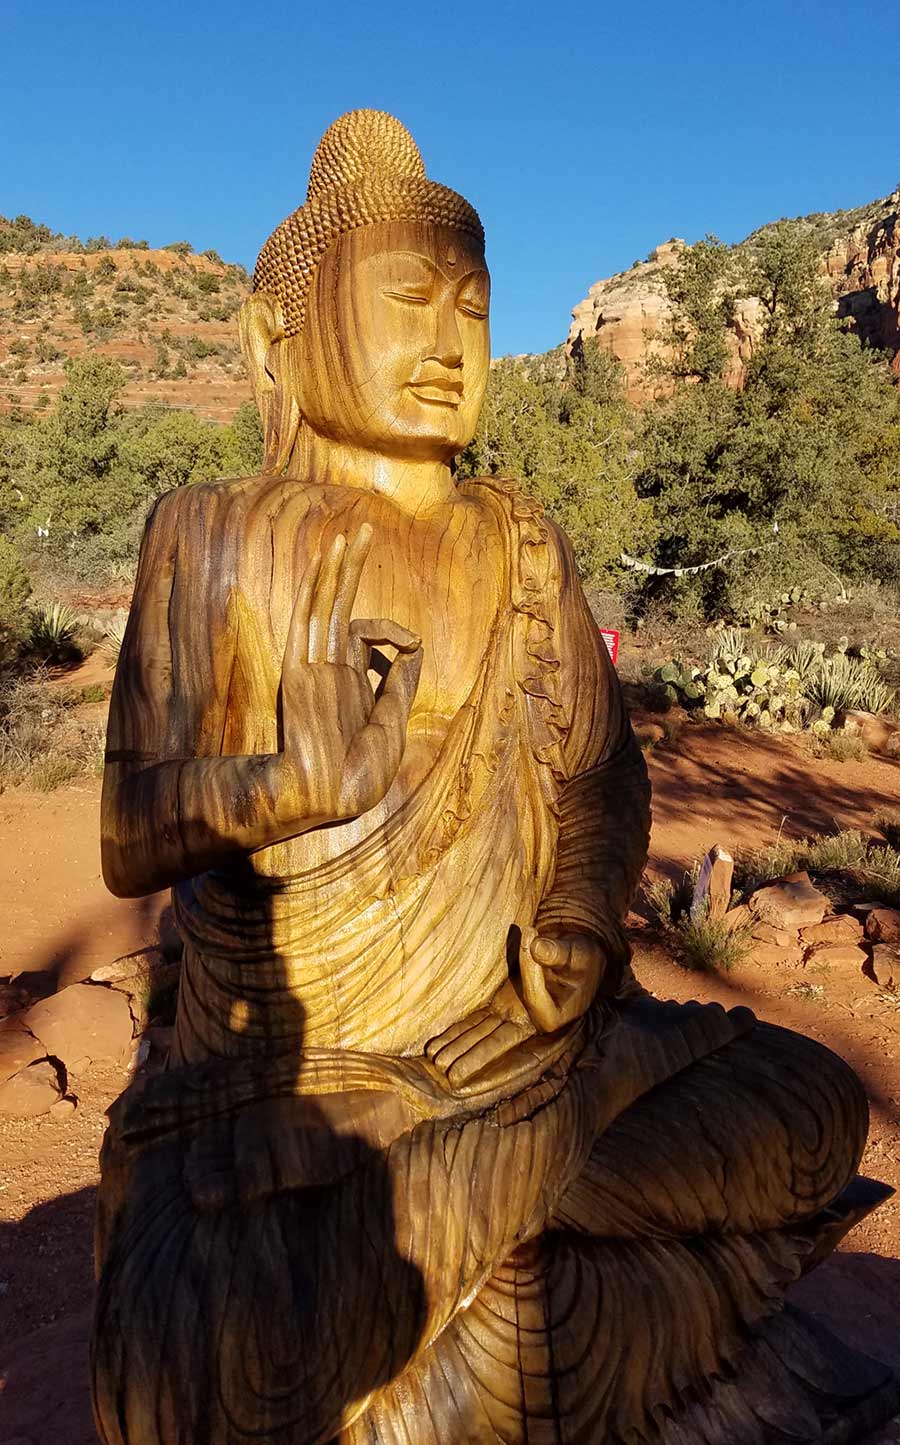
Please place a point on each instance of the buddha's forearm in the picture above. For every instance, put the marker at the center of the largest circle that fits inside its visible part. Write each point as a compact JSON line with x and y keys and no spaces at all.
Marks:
{"x":172,"y":820}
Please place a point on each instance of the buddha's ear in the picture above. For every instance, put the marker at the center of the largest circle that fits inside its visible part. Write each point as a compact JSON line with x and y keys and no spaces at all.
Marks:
{"x":261,"y":323}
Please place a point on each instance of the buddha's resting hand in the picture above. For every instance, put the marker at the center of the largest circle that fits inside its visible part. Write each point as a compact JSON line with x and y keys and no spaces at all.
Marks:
{"x":342,"y":743}
{"x":559,"y":978}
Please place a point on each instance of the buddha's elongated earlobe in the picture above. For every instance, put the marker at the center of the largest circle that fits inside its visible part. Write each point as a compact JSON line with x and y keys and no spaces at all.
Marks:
{"x":262,"y":342}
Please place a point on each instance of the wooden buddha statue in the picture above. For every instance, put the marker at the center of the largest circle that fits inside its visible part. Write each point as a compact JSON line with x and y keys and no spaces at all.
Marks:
{"x":426,"y":1164}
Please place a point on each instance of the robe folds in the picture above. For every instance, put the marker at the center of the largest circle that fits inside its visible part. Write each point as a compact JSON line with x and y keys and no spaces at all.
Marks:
{"x":303,"y":1241}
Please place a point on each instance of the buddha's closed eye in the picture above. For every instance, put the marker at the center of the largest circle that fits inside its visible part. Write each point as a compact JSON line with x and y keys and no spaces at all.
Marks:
{"x":412,"y":297}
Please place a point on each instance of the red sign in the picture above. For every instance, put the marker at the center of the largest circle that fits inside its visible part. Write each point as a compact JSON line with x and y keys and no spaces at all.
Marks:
{"x":611,"y":638}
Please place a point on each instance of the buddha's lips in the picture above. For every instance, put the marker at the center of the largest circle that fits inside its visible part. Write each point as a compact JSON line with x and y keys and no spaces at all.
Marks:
{"x":446,"y":391}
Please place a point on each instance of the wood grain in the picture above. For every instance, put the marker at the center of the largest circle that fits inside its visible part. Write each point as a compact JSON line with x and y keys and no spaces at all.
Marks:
{"x":426,"y":1166}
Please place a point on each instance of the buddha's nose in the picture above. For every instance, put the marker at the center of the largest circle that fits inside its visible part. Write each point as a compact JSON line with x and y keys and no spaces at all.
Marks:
{"x":447,"y":349}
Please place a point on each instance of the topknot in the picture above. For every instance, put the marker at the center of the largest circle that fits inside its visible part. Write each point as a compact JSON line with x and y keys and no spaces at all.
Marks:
{"x":366,"y":169}
{"x":361,"y":143}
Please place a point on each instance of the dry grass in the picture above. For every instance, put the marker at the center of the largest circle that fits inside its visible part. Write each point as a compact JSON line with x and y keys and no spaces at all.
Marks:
{"x":703,"y":945}
{"x":809,"y":992}
{"x":888,"y":825}
{"x":44,"y":743}
{"x":858,"y":865}
{"x":838,"y":747}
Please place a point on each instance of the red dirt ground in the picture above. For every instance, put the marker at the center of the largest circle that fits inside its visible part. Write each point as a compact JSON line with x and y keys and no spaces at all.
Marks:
{"x":711,"y":786}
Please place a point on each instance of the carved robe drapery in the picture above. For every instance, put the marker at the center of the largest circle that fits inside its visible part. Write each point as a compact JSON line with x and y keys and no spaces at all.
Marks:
{"x":303,"y":1238}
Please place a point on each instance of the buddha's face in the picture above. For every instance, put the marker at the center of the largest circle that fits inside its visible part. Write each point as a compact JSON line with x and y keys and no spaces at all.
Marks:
{"x":395,"y":351}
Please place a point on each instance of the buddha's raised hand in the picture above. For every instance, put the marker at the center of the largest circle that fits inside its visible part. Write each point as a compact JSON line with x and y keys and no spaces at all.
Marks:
{"x":342,"y":744}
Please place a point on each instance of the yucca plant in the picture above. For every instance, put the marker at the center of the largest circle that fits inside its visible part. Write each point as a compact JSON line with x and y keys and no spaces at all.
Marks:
{"x":805,"y":657}
{"x":53,"y":633}
{"x":843,"y":683}
{"x":873,"y":693}
{"x":729,"y":645}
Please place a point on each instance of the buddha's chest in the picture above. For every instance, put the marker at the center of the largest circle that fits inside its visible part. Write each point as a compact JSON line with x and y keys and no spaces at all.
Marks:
{"x":442,"y":578}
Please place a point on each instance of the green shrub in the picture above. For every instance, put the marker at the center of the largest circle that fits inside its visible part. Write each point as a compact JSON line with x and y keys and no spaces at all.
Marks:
{"x":43,"y":742}
{"x":699,"y":943}
{"x":15,"y":584}
{"x":15,"y":590}
{"x":53,"y":634}
{"x":839,"y":747}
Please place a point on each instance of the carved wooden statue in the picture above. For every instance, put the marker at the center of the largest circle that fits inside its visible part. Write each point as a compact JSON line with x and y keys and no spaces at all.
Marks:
{"x":427,"y":1166}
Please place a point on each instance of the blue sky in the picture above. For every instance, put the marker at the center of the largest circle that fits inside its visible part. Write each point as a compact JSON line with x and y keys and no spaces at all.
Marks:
{"x":584,"y":134}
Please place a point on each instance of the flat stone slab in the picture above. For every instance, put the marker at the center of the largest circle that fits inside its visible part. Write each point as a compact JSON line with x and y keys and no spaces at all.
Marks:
{"x":31,"y":1091}
{"x":842,"y":928}
{"x":83,"y":1024}
{"x":837,"y":955}
{"x":18,"y":1048}
{"x":883,"y":926}
{"x":883,"y":967}
{"x":791,"y":903}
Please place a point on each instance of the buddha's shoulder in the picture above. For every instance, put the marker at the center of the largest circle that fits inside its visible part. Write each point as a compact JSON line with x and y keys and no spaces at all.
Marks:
{"x":227,"y":496}
{"x":511,"y":497}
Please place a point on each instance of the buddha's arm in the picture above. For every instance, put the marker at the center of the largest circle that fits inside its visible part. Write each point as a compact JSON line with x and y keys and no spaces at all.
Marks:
{"x":167,"y":815}
{"x":604,"y":807}
{"x":172,"y":807}
{"x":171,"y":820}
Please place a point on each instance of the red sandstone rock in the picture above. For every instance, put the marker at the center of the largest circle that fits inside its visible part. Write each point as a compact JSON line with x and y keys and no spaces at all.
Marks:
{"x":767,"y":933}
{"x":791,"y":904}
{"x":31,"y":1091}
{"x":739,"y":917}
{"x":883,"y":925}
{"x":880,"y":734}
{"x":841,"y":928}
{"x":837,"y":955}
{"x":883,"y":967}
{"x":83,"y":1024}
{"x":628,"y":314}
{"x":712,"y":894}
{"x":18,"y":1048}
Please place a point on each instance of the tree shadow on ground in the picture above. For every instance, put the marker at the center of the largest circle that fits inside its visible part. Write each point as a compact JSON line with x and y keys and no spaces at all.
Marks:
{"x":74,"y":952}
{"x":769,"y":785}
{"x":47,"y":1269}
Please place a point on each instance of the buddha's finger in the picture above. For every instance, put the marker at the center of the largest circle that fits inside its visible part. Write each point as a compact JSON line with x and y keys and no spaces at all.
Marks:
{"x":446,"y":1057}
{"x":348,"y":586}
{"x":503,"y":1037}
{"x":369,"y":632}
{"x":538,"y":999}
{"x":323,"y":599}
{"x":296,"y":648}
{"x":455,"y":1031}
{"x":550,"y":952}
{"x":374,"y":754}
{"x":392,"y":708}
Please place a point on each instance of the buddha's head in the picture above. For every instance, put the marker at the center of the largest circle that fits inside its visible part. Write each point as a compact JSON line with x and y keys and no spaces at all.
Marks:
{"x":368,"y":322}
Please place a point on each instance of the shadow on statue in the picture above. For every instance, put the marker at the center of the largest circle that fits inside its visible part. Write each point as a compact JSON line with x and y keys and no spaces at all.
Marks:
{"x":271,"y":1200}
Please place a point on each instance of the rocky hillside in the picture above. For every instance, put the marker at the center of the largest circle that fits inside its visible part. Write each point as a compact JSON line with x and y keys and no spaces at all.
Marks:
{"x":860,"y":252}
{"x":168,"y":316}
